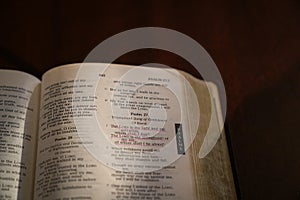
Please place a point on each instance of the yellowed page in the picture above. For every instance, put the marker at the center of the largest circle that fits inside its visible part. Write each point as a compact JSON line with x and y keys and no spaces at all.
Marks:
{"x":68,"y":164}
{"x":213,"y":173}
{"x":19,"y":105}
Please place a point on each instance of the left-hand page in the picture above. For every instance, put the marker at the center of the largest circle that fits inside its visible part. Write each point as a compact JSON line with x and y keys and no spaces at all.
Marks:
{"x":19,"y":109}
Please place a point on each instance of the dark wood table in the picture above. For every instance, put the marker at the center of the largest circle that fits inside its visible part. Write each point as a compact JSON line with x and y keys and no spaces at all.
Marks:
{"x":255,"y":44}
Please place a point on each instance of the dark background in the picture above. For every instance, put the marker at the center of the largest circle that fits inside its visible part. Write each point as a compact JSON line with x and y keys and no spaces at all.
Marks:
{"x":255,"y":44}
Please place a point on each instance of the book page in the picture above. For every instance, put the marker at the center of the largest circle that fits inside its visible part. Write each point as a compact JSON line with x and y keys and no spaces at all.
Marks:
{"x":213,"y":173}
{"x":113,"y":133}
{"x":19,"y":106}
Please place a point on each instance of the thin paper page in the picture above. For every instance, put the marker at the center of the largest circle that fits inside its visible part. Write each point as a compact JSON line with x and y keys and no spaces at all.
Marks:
{"x":19,"y":104}
{"x":68,"y":165}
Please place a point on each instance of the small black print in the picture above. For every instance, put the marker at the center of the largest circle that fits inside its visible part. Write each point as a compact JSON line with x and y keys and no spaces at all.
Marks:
{"x":179,"y":139}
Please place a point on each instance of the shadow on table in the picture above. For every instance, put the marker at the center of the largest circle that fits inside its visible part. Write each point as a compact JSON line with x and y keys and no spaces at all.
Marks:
{"x":266,"y":141}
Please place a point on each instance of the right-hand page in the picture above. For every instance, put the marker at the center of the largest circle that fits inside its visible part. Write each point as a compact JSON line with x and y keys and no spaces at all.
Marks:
{"x":124,"y":132}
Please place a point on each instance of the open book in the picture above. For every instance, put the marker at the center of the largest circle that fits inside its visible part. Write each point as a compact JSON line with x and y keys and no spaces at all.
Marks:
{"x":92,"y":131}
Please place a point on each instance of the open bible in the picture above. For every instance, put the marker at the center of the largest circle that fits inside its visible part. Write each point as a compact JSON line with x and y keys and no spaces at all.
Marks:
{"x":99,"y":131}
